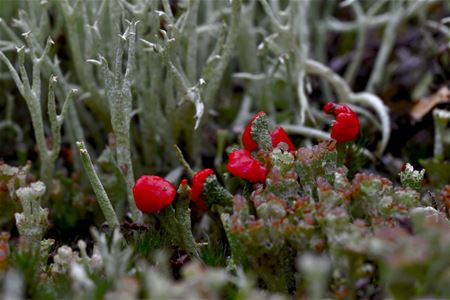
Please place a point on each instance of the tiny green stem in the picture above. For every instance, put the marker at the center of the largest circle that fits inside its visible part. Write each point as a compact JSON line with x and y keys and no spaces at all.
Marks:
{"x":342,"y":150}
{"x":179,"y":225}
{"x":183,"y":215}
{"x":185,"y":164}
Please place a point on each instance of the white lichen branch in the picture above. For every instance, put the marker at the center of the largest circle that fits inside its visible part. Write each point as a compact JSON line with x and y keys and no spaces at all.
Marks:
{"x":31,"y":92}
{"x":118,"y":92}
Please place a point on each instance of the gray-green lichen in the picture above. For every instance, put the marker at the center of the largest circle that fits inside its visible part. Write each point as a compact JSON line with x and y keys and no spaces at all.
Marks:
{"x":411,"y":178}
{"x":32,"y":222}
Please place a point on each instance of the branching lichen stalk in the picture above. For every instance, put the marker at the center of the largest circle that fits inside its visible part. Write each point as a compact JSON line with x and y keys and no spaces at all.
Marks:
{"x":213,"y":83}
{"x":389,"y":35}
{"x":118,"y":91}
{"x":351,"y":71}
{"x":303,"y":30}
{"x":83,"y":70}
{"x":50,"y":67}
{"x":377,"y":20}
{"x":31,"y":92}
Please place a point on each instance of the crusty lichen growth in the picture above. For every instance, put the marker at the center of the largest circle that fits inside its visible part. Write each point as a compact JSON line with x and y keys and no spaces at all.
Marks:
{"x":309,"y":205}
{"x":32,"y":222}
{"x":260,"y":132}
{"x":411,"y":178}
{"x":216,"y":196}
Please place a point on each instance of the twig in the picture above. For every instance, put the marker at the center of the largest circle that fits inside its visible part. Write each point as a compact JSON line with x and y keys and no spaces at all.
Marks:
{"x":377,"y":20}
{"x":396,"y":16}
{"x":307,"y":131}
{"x":273,"y":19}
{"x":303,"y":56}
{"x":183,"y":162}
{"x":352,"y":69}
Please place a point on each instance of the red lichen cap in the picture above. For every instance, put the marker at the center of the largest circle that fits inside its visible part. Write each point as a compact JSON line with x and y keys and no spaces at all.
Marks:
{"x":279,"y":135}
{"x":328,"y":108}
{"x":197,"y":187}
{"x":336,"y":109}
{"x":153,"y":193}
{"x":242,"y":164}
{"x":247,"y":141}
{"x":346,"y":128}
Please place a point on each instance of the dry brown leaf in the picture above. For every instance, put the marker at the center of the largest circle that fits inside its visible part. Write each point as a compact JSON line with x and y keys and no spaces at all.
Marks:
{"x":426,"y":104}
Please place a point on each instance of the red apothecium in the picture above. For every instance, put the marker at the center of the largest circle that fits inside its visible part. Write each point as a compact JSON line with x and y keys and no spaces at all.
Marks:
{"x":346,"y":127}
{"x":279,"y":135}
{"x":197,"y":187}
{"x":153,"y":193}
{"x":242,"y":164}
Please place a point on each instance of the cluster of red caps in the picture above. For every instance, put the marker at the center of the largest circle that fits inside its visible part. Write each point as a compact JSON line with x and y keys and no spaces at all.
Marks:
{"x":153,"y":193}
{"x":346,"y":127}
{"x":242,"y":164}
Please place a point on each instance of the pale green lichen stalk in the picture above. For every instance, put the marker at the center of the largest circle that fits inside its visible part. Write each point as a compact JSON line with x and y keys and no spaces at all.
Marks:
{"x":115,"y":254}
{"x":118,"y":91}
{"x":316,"y":269}
{"x":441,"y":119}
{"x":31,"y":92}
{"x":102,"y":198}
{"x":63,"y":259}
